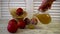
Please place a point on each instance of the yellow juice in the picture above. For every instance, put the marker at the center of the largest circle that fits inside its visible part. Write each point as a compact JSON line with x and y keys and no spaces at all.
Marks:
{"x":44,"y":18}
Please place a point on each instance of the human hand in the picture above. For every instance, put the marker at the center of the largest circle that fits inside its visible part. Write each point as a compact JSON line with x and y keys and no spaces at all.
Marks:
{"x":46,"y":4}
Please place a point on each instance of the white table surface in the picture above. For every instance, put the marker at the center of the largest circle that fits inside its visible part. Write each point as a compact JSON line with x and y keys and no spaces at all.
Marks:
{"x":48,"y":29}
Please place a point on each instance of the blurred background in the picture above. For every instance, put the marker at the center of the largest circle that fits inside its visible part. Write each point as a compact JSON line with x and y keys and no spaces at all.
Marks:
{"x":31,"y":7}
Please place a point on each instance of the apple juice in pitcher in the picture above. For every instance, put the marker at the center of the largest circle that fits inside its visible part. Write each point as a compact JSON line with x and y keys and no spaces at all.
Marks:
{"x":44,"y":17}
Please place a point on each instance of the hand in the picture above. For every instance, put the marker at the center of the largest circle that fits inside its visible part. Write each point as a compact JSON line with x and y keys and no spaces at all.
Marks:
{"x":46,"y":4}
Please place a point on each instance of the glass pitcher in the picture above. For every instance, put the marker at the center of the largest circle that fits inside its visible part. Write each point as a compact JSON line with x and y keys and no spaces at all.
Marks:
{"x":43,"y":17}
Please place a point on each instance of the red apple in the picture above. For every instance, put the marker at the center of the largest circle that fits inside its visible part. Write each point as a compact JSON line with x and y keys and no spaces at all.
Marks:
{"x":12,"y":26}
{"x":21,"y":24}
{"x":19,"y":11}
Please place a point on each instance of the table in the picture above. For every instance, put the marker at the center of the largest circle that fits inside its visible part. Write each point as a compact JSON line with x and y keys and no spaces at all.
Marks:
{"x":49,"y":29}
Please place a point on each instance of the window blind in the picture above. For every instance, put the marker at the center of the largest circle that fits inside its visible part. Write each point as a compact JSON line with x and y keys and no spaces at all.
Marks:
{"x":5,"y":14}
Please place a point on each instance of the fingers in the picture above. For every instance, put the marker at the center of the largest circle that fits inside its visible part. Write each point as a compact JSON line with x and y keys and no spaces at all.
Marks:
{"x":46,"y":4}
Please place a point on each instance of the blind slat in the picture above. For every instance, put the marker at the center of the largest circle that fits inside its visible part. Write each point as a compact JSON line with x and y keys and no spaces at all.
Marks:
{"x":13,"y":2}
{"x":51,"y":8}
{"x":36,"y":5}
{"x":41,"y":2}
